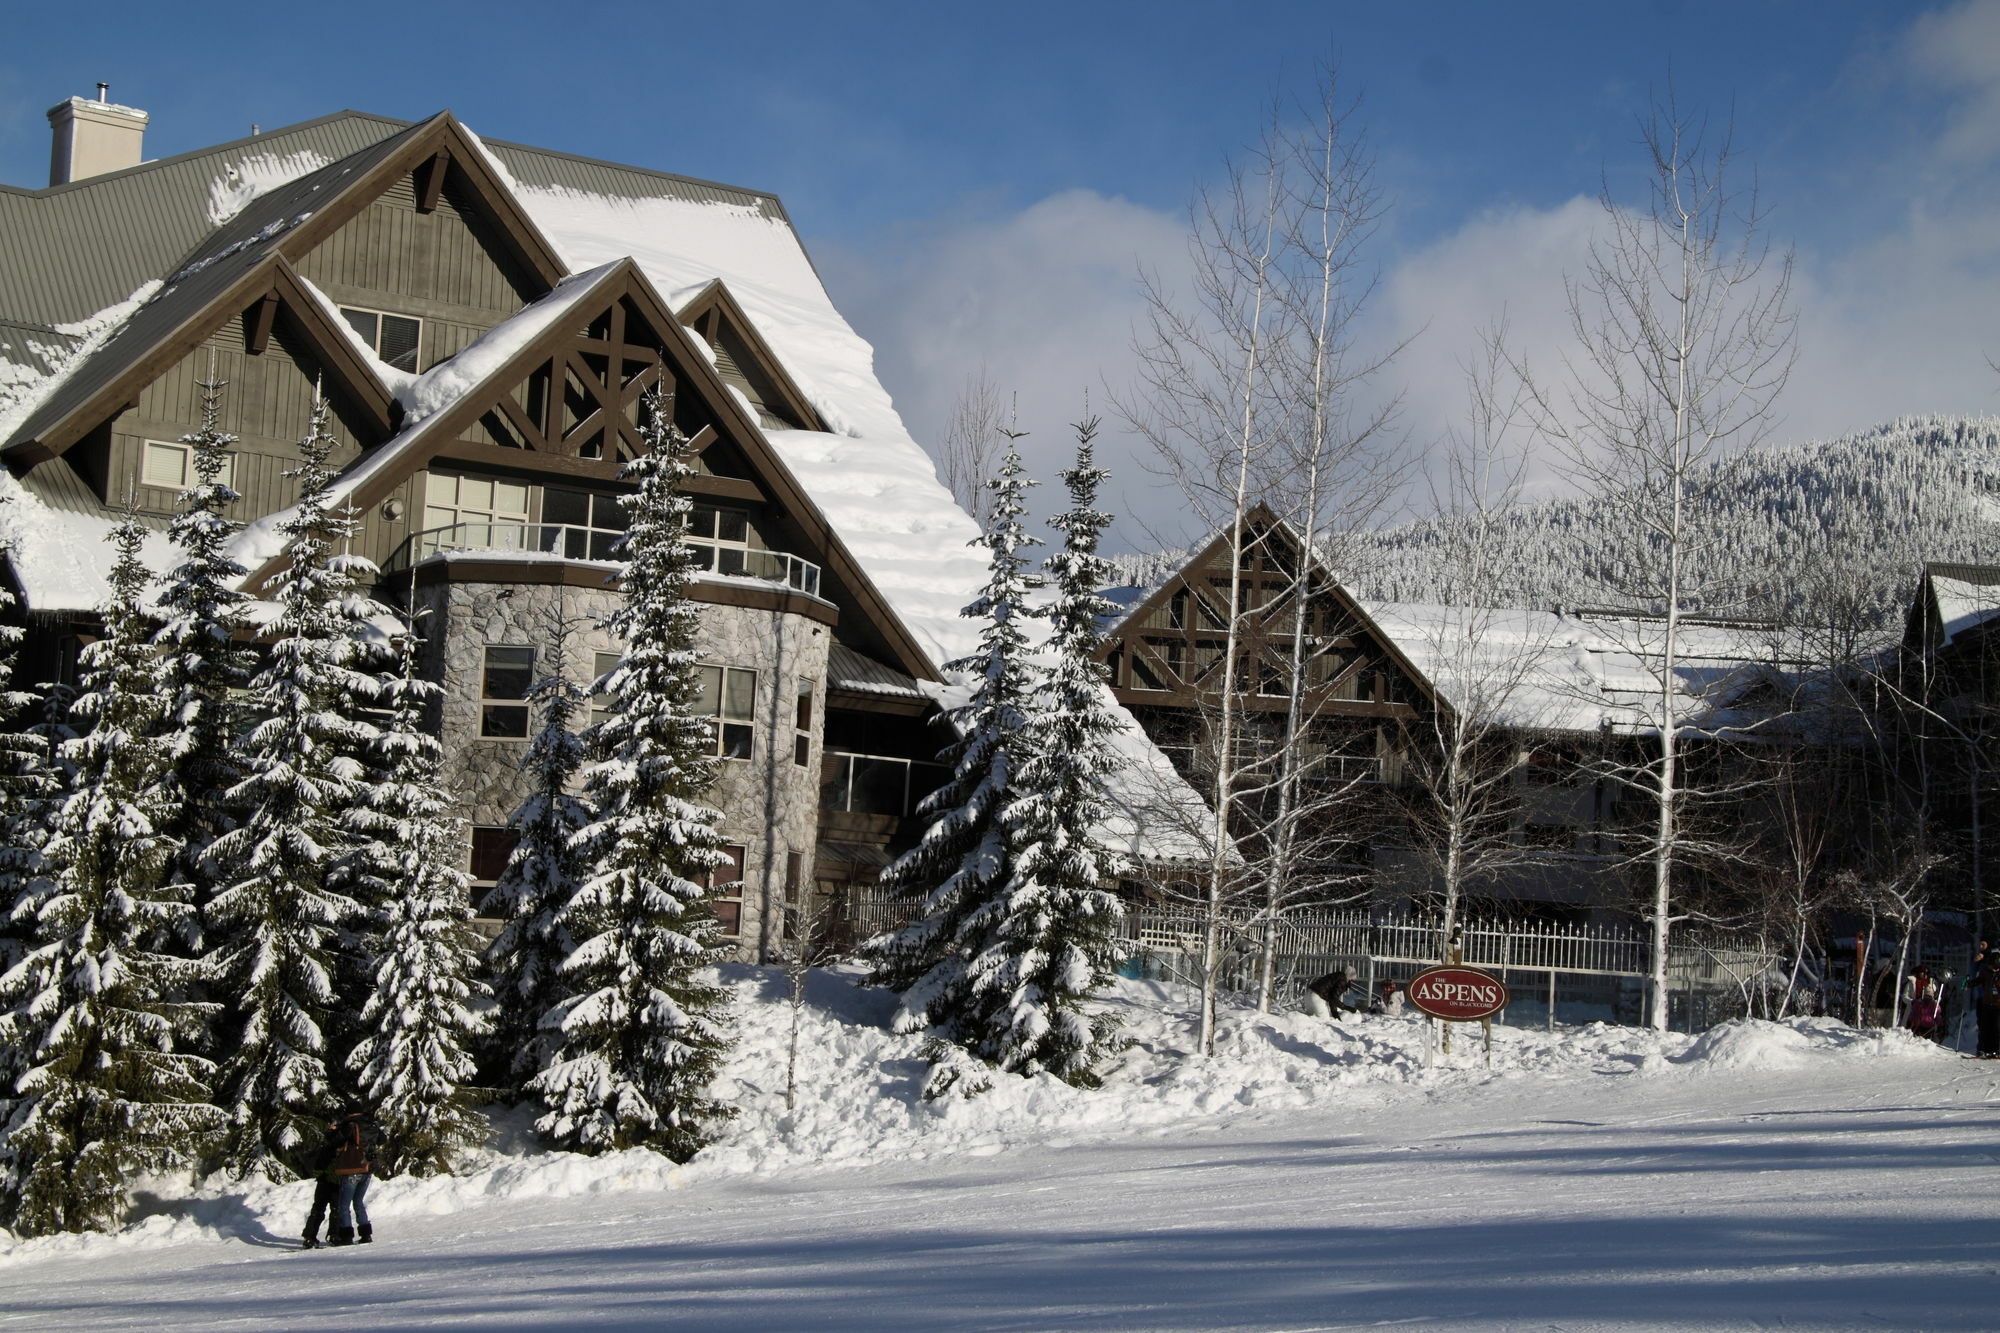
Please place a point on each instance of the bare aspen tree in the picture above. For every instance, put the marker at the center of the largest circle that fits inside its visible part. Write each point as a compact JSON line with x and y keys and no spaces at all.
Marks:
{"x":1685,"y":336}
{"x":1246,"y":397}
{"x":1207,"y":387}
{"x":1464,"y":768}
{"x":972,"y":444}
{"x":1335,"y":466}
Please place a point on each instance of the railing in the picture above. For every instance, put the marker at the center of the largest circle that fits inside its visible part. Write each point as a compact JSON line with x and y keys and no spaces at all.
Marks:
{"x":744,"y":561}
{"x":873,"y":784}
{"x":1595,"y":967}
{"x":575,"y":542}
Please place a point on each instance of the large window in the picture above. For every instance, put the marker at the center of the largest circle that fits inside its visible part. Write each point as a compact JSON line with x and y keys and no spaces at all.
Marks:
{"x":393,"y":338}
{"x":171,"y":466}
{"x":476,"y":513}
{"x":583,"y":525}
{"x":503,"y":691}
{"x":729,"y":695}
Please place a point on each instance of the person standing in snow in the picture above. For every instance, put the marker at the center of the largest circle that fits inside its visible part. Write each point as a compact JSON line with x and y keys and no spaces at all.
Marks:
{"x":326,"y":1186}
{"x":1923,"y":1005}
{"x":1331,"y":989}
{"x":1986,"y":1003}
{"x":352,"y":1167}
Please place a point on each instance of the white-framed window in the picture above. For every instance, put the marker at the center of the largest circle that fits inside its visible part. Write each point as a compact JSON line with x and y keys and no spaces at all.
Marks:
{"x":504,"y":679}
{"x":393,"y":338}
{"x":602,"y":665}
{"x":721,"y":538}
{"x":728,"y":877}
{"x":169,"y":465}
{"x":802,"y":722}
{"x":475,"y":513}
{"x":729,"y":695}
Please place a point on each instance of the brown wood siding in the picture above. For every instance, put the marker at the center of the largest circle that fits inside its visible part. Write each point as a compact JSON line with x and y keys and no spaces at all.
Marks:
{"x":267,"y":405}
{"x":437,"y":266}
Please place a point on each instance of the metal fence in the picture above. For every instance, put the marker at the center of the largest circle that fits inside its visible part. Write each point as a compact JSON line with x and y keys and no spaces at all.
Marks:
{"x":1555,"y":971}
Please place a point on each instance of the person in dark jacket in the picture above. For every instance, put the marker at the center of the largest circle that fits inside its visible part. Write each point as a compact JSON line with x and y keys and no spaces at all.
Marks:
{"x":353,"y":1165}
{"x":326,"y":1185}
{"x":1986,"y":1003}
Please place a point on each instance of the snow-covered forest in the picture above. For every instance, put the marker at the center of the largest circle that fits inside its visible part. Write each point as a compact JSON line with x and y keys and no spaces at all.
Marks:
{"x":1878,"y":503}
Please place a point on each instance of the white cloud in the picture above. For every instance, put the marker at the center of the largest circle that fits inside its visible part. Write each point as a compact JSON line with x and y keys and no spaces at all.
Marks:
{"x":1043,"y":299}
{"x":1954,"y":49}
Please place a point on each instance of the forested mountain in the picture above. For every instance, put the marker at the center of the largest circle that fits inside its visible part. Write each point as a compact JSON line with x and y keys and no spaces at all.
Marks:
{"x":1781,"y":524}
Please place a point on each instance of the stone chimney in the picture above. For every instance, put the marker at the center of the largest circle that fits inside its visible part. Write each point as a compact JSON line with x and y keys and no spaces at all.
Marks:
{"x":92,"y":138}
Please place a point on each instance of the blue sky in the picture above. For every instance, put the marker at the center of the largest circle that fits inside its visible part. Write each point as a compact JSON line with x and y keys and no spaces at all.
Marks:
{"x":979,"y":183}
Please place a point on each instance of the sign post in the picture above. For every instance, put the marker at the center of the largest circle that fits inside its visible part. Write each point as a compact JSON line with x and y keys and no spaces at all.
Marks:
{"x":1455,"y":993}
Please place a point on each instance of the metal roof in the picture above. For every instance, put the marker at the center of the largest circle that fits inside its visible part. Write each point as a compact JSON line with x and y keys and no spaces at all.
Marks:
{"x":79,"y":248}
{"x":76,"y":249}
{"x":225,"y":256}
{"x":849,"y":670}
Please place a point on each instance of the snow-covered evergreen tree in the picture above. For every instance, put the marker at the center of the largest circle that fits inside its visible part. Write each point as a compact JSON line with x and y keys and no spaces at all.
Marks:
{"x":27,"y":786}
{"x":199,"y":660}
{"x":1056,"y":943}
{"x":541,"y":876}
{"x":641,"y":1029}
{"x":109,"y":1087}
{"x":277,"y":926}
{"x":958,"y":873}
{"x":415,"y":1062}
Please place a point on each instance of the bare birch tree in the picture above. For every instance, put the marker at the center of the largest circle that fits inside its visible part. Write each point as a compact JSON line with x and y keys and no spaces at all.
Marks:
{"x":1247,"y":395}
{"x":972,"y":444}
{"x":1684,"y":331}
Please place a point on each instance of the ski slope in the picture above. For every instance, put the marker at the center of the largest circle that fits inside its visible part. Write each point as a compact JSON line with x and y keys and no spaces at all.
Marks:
{"x":1601,"y":1179}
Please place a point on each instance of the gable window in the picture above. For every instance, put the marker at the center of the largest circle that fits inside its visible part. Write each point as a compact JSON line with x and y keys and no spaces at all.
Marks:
{"x":474,"y":513}
{"x":171,"y":466}
{"x":393,"y":338}
{"x":721,"y":538}
{"x":729,"y":695}
{"x":727,"y":879}
{"x":504,"y":679}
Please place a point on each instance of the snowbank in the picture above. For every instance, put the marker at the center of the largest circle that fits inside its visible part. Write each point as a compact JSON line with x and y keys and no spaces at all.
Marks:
{"x":858,"y":1082}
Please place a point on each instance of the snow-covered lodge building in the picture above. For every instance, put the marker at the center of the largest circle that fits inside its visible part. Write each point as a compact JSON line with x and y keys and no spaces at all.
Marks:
{"x":484,"y":318}
{"x":1551,"y":701}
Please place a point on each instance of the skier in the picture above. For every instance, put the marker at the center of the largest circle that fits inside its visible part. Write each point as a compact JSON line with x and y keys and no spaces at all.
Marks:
{"x":349,"y":1143}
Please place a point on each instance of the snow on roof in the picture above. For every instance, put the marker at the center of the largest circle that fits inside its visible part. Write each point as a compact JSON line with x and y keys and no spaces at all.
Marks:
{"x":1546,"y":671}
{"x":424,"y":397}
{"x":254,"y":174}
{"x":1963,"y":604}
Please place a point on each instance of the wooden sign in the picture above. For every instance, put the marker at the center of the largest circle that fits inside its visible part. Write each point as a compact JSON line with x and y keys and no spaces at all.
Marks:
{"x":1459,"y":994}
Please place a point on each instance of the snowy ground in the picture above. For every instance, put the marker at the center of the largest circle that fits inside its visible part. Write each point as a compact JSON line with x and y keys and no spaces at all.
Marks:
{"x":1311,"y":1176}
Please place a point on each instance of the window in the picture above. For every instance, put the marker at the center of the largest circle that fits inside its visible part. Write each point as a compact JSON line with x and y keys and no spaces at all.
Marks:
{"x":721,"y":538}
{"x":729,"y":695}
{"x":492,"y":848}
{"x":171,"y":466}
{"x":802,"y":724}
{"x":586,"y":523}
{"x":727,"y":878}
{"x":503,"y":692}
{"x":474,"y":513}
{"x":602,"y":665}
{"x":393,"y":338}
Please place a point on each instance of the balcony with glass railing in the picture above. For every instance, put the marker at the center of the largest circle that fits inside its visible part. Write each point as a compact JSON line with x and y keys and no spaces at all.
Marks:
{"x":571,"y":541}
{"x":873,"y":784}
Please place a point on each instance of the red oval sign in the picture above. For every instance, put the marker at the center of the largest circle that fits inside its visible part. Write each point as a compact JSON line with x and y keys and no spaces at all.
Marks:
{"x":1461,"y":994}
